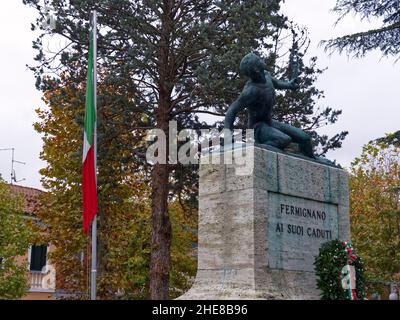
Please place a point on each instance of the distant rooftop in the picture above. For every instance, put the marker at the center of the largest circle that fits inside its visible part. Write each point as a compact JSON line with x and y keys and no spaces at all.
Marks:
{"x":30,"y":197}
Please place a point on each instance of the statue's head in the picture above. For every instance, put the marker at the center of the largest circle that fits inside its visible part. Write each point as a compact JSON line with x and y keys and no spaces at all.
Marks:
{"x":252,"y":66}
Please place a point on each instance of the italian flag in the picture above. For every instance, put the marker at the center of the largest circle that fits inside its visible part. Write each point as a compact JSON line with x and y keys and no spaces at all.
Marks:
{"x":89,"y":184}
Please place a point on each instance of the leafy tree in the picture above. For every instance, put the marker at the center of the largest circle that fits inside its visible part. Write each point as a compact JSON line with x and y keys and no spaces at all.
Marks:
{"x":15,"y":237}
{"x":164,"y":60}
{"x":374,"y":210}
{"x":386,"y":38}
{"x":125,"y":208}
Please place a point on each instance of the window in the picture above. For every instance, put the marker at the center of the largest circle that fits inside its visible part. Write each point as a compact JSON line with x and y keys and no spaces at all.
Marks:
{"x":38,"y":258}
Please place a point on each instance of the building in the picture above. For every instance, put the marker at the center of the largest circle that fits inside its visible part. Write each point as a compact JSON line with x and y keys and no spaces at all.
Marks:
{"x":41,"y":273}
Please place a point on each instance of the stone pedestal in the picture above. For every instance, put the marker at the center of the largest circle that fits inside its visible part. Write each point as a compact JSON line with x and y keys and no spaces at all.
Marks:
{"x":260,"y":229}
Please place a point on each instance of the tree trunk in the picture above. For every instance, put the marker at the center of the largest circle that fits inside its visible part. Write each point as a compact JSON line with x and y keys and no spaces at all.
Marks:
{"x":161,"y":226}
{"x":161,"y":235}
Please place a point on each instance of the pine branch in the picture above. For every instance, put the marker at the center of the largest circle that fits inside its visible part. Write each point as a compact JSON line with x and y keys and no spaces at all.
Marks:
{"x":386,"y":39}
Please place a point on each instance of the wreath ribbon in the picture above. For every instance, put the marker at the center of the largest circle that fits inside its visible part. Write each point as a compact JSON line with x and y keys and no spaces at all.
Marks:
{"x":349,"y":271}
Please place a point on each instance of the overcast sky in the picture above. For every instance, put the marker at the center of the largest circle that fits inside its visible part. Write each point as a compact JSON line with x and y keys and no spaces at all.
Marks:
{"x":367,"y":90}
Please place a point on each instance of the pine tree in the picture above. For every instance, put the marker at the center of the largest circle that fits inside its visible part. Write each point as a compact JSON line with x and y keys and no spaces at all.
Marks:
{"x":386,"y":38}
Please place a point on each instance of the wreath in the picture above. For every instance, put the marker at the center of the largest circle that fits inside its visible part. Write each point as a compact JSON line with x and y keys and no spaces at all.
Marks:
{"x":339,"y":271}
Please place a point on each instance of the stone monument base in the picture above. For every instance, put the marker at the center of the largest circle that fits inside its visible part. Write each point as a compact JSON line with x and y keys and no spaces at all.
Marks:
{"x":262,"y":222}
{"x":277,"y":285}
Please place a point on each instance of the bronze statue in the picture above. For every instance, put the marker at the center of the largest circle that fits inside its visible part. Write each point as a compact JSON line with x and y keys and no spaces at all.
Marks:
{"x":258,"y":97}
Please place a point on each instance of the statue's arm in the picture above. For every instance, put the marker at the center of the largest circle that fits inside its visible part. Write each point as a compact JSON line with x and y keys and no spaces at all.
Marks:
{"x":281,"y":85}
{"x":233,"y":110}
{"x":292,"y":84}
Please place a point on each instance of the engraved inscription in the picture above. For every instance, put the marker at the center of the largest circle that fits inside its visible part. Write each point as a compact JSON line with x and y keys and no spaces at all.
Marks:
{"x":297,"y":228}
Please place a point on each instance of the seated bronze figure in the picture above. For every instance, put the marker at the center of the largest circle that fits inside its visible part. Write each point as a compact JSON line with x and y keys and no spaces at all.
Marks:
{"x":258,"y":97}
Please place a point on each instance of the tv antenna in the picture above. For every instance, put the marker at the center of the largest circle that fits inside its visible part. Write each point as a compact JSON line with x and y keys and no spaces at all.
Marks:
{"x":13,"y":161}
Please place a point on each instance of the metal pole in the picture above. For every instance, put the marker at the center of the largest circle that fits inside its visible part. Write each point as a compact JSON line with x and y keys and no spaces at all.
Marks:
{"x":12,"y":166}
{"x":94,"y":261}
{"x":93,"y":289}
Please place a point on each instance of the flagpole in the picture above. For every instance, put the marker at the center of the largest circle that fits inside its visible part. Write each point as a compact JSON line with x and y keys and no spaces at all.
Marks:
{"x":93,"y":287}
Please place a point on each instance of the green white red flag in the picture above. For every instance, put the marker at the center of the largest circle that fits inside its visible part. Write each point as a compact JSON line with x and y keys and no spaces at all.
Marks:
{"x":89,"y":183}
